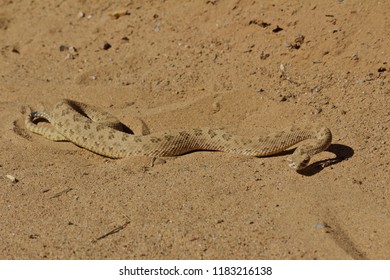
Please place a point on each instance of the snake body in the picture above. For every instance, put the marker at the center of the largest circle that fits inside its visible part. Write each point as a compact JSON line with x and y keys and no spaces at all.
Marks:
{"x":100,"y":132}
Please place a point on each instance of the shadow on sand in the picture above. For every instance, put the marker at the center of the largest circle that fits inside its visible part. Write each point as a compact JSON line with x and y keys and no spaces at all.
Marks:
{"x":341,"y":153}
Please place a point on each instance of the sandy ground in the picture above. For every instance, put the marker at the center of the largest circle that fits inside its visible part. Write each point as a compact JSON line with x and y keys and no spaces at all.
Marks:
{"x":197,"y":63}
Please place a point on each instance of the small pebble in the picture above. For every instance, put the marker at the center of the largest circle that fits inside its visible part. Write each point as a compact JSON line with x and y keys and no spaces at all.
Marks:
{"x":81,"y":14}
{"x":72,"y":50}
{"x":317,"y":111}
{"x":277,"y":29}
{"x":283,"y":98}
{"x":119,"y":13}
{"x":157,"y":27}
{"x":106,"y":46}
{"x":216,"y":107}
{"x":316,"y":89}
{"x":321,"y":225}
{"x":69,"y":56}
{"x":282,"y":67}
{"x":355,"y":57}
{"x":11,"y":178}
{"x":259,"y":90}
{"x":264,"y":55}
{"x":63,"y":48}
{"x":158,"y":161}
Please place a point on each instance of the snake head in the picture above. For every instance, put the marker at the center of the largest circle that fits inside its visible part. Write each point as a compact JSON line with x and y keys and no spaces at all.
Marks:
{"x":298,"y":162}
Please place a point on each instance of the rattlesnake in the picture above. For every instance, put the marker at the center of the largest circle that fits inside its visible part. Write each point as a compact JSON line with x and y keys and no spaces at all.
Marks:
{"x":100,"y":132}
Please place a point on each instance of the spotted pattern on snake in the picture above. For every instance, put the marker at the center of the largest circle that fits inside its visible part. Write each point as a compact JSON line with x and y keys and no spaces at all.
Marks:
{"x":100,"y":132}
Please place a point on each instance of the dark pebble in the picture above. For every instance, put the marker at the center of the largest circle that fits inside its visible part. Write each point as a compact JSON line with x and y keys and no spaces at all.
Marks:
{"x":63,"y":48}
{"x":106,"y":46}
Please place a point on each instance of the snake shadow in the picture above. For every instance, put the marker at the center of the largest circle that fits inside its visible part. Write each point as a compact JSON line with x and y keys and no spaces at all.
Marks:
{"x":341,"y":152}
